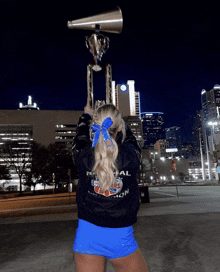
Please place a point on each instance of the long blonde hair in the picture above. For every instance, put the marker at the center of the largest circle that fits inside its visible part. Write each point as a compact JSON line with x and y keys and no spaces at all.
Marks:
{"x":105,"y":167}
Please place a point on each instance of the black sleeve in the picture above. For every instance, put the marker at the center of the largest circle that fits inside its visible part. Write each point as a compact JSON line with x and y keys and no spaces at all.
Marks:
{"x":82,"y":137}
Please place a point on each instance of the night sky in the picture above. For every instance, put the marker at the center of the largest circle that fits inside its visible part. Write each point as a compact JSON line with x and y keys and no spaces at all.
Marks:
{"x":171,"y":50}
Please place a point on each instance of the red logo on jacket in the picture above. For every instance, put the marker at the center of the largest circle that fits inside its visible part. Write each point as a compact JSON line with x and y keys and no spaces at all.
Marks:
{"x":113,"y":190}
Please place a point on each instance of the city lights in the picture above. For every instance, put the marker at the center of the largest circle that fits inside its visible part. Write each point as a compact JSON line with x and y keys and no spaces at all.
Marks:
{"x":163,"y":147}
{"x":212,"y":123}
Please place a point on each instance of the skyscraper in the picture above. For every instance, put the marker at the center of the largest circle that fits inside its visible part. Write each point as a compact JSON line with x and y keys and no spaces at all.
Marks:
{"x":126,"y":99}
{"x":173,"y":137}
{"x":153,"y":127}
{"x":210,"y":101}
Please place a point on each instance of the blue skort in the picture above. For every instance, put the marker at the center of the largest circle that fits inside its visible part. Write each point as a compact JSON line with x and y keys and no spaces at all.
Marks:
{"x":111,"y":243}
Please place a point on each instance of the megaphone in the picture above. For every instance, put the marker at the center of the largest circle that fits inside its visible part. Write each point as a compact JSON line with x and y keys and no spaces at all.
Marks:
{"x":109,"y":21}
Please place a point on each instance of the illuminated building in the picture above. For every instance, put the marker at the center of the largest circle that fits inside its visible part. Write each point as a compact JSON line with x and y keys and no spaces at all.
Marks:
{"x":210,"y":101}
{"x":206,"y":136}
{"x":198,"y":141}
{"x":153,"y":130}
{"x":127,"y":100}
{"x":187,"y":149}
{"x":42,"y":126}
{"x":195,"y":171}
{"x":173,"y":137}
{"x":28,"y":124}
{"x":161,"y":146}
{"x":135,"y":125}
{"x":22,"y":135}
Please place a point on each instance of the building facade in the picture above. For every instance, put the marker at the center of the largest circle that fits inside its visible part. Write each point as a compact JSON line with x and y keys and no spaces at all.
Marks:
{"x":210,"y":101}
{"x":29,"y":124}
{"x":135,"y":125}
{"x":173,"y":137}
{"x":161,"y":146}
{"x":42,"y":126}
{"x":153,"y":128}
{"x":210,"y":117}
{"x":127,"y":101}
{"x":206,"y":132}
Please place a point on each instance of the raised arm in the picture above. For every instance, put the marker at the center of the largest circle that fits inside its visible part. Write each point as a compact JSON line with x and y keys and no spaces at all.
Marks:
{"x":82,"y":131}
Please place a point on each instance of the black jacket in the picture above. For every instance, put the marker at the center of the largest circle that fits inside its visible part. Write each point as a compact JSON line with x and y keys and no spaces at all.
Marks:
{"x":119,"y":208}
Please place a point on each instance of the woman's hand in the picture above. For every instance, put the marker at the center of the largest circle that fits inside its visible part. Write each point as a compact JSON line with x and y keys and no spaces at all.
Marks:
{"x":87,"y":108}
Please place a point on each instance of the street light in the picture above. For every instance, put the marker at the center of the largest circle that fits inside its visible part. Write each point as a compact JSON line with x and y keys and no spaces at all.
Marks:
{"x":53,"y":177}
{"x":207,"y":154}
{"x":212,"y":124}
{"x":201,"y":154}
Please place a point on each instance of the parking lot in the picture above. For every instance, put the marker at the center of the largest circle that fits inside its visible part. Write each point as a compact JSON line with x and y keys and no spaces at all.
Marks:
{"x":176,"y":233}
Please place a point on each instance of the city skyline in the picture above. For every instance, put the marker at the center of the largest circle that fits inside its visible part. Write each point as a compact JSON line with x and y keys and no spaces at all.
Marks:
{"x":171,"y":52}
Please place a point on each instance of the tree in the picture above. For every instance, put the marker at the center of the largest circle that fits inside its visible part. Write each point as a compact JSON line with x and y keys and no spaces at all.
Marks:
{"x":4,"y":172}
{"x":17,"y":156}
{"x":48,"y":160}
{"x":60,"y":160}
{"x":38,"y":168}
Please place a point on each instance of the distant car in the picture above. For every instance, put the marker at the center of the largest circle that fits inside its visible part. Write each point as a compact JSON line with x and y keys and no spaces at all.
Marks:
{"x":12,"y":188}
{"x":27,"y":189}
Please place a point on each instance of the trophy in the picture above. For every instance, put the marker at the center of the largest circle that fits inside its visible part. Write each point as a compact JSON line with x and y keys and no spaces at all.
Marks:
{"x":98,"y":44}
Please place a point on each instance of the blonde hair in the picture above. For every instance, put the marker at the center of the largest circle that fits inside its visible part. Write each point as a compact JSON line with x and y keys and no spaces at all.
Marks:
{"x":105,"y":167}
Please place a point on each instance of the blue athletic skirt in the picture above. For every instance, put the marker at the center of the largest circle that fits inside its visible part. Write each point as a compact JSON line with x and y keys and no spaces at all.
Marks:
{"x":109,"y":242}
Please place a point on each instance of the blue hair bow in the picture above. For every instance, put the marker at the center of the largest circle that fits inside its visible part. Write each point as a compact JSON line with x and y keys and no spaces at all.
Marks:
{"x":104,"y":130}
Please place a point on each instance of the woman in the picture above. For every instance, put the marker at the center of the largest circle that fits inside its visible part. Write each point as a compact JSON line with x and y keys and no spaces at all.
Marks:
{"x":107,"y":195}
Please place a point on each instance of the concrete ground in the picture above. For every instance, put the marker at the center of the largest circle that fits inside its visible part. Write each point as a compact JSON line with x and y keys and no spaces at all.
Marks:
{"x":175,"y":233}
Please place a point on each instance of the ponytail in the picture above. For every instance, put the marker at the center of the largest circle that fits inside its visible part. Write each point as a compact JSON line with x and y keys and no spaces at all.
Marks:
{"x":105,"y":156}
